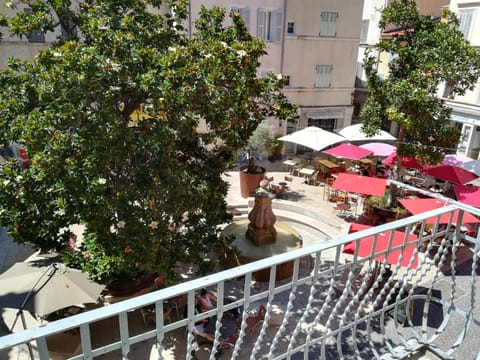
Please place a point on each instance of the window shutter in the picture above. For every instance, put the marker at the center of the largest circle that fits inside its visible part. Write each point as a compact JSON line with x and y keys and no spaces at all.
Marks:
{"x":364,"y":34}
{"x":323,"y":75}
{"x":261,"y":23}
{"x":328,"y":24}
{"x":36,"y":36}
{"x":245,"y":14}
{"x":278,"y":23}
{"x":465,"y":20}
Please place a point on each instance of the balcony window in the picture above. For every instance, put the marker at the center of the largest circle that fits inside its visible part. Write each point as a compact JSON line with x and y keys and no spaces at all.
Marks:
{"x":323,"y":76}
{"x":269,"y":24}
{"x":328,"y":24}
{"x":465,"y":22}
{"x":34,"y":36}
{"x":244,"y":13}
{"x":364,"y":33}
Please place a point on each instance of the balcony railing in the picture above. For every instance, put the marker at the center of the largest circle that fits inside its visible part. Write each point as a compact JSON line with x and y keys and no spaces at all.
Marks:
{"x":333,"y":306}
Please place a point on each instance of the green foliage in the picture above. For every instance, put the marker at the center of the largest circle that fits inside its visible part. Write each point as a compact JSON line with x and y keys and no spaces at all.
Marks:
{"x":110,"y":120}
{"x":426,"y":53}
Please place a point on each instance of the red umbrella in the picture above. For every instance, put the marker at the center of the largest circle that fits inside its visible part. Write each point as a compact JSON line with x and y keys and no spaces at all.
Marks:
{"x":450,"y":173}
{"x":408,"y":162}
{"x":349,"y":151}
{"x":384,"y":242}
{"x":468,"y":194}
{"x":360,"y":184}
{"x":418,"y":206}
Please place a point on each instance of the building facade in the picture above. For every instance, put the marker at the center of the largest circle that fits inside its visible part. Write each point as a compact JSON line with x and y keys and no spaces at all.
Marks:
{"x":466,"y":108}
{"x":314,"y":45}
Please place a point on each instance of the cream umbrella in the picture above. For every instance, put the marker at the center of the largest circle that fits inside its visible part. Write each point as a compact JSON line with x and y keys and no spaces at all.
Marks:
{"x":313,"y":137}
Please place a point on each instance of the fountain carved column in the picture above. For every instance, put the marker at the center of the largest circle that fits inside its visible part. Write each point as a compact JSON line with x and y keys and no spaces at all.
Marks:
{"x":261,"y":229}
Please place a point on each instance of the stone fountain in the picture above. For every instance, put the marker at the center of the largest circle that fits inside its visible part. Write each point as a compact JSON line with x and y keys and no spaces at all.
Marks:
{"x":261,"y":236}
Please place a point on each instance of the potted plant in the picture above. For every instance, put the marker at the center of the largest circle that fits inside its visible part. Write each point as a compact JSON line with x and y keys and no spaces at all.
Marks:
{"x":276,"y":149}
{"x":259,"y":145}
{"x":379,"y":206}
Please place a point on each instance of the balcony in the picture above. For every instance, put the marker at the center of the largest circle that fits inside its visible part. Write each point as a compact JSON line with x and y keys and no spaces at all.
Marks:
{"x":335,"y":305}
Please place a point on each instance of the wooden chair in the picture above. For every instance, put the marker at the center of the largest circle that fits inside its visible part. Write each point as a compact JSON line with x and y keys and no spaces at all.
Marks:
{"x":177,"y":303}
{"x":254,"y":321}
{"x":148,"y":316}
{"x":343,"y":209}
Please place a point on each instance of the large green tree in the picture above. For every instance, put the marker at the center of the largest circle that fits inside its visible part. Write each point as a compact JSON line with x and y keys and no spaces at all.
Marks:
{"x":425,"y":53}
{"x":109,"y":116}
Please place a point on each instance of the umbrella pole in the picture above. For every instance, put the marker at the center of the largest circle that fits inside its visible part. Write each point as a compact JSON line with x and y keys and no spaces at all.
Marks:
{"x":24,"y":323}
{"x":27,"y":298}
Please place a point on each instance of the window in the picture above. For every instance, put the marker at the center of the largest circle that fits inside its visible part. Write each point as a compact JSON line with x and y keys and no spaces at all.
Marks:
{"x":269,"y":24}
{"x":465,"y":20}
{"x":244,"y":13}
{"x":447,"y":92}
{"x":68,"y":27}
{"x":364,"y":33}
{"x":325,"y":124}
{"x":328,"y":24}
{"x":265,"y":72}
{"x":34,"y":36}
{"x":323,"y":76}
{"x":286,"y":80}
{"x":291,"y":28}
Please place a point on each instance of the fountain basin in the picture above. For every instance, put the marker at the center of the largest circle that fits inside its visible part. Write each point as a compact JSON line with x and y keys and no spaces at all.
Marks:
{"x":287,"y":239}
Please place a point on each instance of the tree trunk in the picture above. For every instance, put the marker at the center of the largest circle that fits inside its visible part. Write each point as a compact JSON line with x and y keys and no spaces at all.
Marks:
{"x":392,"y":201}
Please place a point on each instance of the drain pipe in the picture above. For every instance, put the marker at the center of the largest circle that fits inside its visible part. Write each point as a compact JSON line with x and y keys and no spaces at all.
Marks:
{"x":282,"y":51}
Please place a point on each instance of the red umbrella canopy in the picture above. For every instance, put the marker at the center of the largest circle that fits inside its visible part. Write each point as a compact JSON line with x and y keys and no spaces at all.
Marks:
{"x":450,"y":173}
{"x":468,"y":194}
{"x":349,"y":151}
{"x":360,"y":184}
{"x":384,"y":241}
{"x":418,"y":206}
{"x":408,"y":162}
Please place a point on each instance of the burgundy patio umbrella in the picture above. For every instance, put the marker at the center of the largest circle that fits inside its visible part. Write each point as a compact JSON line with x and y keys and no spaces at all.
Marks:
{"x":467,"y":194}
{"x":359,"y":184}
{"x":450,"y":173}
{"x":418,"y":206}
{"x":385,"y":241}
{"x":348,"y":151}
{"x":408,"y":162}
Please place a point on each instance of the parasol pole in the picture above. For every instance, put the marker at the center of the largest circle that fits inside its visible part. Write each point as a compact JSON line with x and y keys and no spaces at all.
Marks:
{"x":25,"y":301}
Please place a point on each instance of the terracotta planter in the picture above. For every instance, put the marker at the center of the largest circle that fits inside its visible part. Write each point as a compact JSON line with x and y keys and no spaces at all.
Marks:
{"x":249,"y":182}
{"x":130,"y":286}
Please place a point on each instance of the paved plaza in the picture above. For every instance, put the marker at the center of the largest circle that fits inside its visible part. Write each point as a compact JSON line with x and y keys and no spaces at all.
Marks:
{"x":303,"y":198}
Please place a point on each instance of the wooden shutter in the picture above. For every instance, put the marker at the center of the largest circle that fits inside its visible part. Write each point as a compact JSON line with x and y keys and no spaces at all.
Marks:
{"x":261,"y":23}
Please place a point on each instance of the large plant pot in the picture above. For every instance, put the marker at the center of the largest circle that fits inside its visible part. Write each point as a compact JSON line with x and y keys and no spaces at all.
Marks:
{"x":249,"y":182}
{"x":130,"y":286}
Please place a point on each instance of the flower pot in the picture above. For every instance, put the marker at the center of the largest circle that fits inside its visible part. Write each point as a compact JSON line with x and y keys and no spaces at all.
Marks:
{"x":130,"y":286}
{"x":249,"y":182}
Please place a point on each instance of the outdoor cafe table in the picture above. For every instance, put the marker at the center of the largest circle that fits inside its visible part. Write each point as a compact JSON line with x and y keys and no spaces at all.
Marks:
{"x":327,"y":166}
{"x":290,"y":163}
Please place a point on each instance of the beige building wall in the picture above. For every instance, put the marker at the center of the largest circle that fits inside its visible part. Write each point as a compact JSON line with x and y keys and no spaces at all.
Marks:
{"x":307,"y":48}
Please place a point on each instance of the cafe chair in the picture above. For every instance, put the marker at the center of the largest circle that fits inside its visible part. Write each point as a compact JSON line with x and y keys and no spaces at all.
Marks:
{"x":255,"y":321}
{"x":343,"y":209}
{"x":148,"y":316}
{"x":178,"y":303}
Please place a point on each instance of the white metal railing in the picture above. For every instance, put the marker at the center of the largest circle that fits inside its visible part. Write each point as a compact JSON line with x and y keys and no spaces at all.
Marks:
{"x":333,"y":306}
